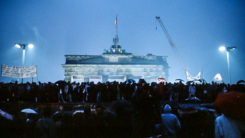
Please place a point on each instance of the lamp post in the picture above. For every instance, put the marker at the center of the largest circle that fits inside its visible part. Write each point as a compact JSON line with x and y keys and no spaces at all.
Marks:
{"x":23,"y":47}
{"x":227,"y":49}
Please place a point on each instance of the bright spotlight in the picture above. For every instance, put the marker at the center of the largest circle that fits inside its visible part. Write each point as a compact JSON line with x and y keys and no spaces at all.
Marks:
{"x":30,"y":45}
{"x":17,"y":45}
{"x":222,"y":48}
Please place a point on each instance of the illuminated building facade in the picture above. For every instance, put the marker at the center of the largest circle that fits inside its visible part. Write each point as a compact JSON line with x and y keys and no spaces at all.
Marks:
{"x":115,"y":65}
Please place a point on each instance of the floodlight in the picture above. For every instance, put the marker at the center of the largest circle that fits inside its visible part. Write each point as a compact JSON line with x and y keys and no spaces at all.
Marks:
{"x":30,"y":45}
{"x":18,"y":45}
{"x":222,"y":48}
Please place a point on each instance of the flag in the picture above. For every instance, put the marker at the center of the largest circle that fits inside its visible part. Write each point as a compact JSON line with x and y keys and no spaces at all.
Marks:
{"x":19,"y":72}
{"x":161,"y":80}
{"x":116,"y":21}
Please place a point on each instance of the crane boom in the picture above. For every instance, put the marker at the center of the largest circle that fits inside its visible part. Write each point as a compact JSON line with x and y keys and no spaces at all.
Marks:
{"x":170,"y":41}
{"x":188,"y":75}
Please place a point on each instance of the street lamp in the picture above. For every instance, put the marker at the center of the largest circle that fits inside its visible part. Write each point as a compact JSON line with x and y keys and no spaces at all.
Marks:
{"x":227,"y":49}
{"x":23,"y":46}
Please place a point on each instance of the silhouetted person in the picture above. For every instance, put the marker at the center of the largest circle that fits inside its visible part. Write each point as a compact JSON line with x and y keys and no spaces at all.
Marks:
{"x":170,"y":122}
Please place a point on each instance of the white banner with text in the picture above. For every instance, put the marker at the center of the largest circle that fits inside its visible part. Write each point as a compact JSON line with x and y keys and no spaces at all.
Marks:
{"x":19,"y":72}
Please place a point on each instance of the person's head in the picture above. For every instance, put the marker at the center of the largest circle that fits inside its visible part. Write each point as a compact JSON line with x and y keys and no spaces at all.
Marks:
{"x":167,"y":109}
{"x":238,"y":88}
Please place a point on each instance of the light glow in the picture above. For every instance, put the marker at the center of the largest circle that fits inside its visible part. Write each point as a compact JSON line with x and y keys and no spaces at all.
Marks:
{"x":17,"y":45}
{"x":222,"y":48}
{"x":30,"y":45}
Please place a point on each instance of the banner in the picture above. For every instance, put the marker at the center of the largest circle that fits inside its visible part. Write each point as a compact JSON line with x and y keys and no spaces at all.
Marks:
{"x":19,"y":72}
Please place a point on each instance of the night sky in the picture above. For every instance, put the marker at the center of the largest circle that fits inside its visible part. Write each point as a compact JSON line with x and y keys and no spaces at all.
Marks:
{"x":62,"y":27}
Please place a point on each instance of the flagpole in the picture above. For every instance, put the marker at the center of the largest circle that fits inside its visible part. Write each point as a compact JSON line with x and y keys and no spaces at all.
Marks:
{"x":116,"y":32}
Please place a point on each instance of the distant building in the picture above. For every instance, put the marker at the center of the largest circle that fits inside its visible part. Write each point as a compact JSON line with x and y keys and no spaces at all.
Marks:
{"x":115,"y":65}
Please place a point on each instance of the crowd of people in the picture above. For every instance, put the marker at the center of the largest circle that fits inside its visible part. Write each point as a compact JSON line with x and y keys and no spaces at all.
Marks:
{"x":88,"y":92}
{"x":112,"y":109}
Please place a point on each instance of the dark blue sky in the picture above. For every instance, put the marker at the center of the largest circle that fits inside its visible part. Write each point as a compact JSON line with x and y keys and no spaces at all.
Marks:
{"x":59,"y":27}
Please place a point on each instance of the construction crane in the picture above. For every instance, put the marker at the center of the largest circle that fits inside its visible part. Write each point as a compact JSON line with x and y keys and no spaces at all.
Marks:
{"x":188,"y":75}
